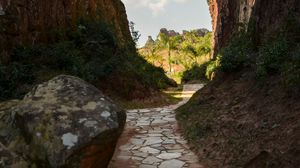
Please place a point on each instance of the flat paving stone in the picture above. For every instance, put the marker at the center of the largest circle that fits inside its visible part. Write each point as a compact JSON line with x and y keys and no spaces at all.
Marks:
{"x":174,"y":163}
{"x":149,"y":150}
{"x":146,"y":166}
{"x":167,"y":156}
{"x":136,"y":141}
{"x":151,"y":160}
{"x":151,"y":140}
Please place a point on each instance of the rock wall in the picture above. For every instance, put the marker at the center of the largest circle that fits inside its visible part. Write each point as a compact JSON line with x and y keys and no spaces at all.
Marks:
{"x":268,"y":16}
{"x":29,"y":22}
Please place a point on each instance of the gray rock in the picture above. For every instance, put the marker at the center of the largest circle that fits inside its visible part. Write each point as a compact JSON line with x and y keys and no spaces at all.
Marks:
{"x":66,"y":122}
{"x":174,"y":163}
{"x":167,"y":156}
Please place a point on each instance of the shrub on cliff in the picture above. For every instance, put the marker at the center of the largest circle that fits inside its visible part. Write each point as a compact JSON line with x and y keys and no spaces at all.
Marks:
{"x":271,"y":56}
{"x":236,"y":54}
{"x":90,"y":52}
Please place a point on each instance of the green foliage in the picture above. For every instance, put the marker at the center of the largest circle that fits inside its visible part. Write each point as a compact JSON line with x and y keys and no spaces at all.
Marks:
{"x":169,"y":43}
{"x":91,"y":52}
{"x":10,"y":78}
{"x":145,"y":72}
{"x":280,"y":57}
{"x":203,"y":71}
{"x":212,"y":67}
{"x":196,"y":46}
{"x":271,"y":56}
{"x":280,"y":54}
{"x":290,"y":70}
{"x":236,"y":55}
{"x":197,"y":72}
{"x":134,"y":33}
{"x":187,"y":52}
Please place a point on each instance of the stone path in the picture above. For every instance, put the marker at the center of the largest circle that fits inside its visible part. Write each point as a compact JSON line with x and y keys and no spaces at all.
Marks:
{"x":151,"y":139}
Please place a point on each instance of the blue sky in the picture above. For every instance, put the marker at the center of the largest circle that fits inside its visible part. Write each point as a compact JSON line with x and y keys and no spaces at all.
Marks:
{"x":151,"y":15}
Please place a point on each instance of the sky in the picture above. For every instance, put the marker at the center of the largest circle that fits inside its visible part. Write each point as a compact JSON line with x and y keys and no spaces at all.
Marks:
{"x":150,"y":16}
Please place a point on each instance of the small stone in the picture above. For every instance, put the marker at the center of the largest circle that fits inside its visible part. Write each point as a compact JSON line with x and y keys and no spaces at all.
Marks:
{"x":105,"y":114}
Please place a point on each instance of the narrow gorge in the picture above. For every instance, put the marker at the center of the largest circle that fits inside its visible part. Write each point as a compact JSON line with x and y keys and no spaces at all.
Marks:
{"x":70,"y":68}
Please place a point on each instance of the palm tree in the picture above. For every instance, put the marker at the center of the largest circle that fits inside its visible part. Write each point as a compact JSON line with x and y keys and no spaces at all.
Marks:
{"x":170,"y":43}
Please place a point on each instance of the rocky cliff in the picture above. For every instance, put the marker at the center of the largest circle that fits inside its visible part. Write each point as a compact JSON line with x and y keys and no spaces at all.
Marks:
{"x":248,"y":116}
{"x":266,"y":17}
{"x":25,"y":22}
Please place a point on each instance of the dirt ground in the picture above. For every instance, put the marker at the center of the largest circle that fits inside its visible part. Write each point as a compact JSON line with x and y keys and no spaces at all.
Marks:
{"x":237,"y":121}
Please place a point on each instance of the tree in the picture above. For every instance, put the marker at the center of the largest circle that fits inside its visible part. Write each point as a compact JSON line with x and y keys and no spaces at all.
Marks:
{"x":170,"y":43}
{"x":134,"y":33}
{"x":204,"y":46}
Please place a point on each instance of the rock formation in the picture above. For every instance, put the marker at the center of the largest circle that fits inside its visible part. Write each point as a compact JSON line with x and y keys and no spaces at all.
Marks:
{"x":64,"y":122}
{"x":169,"y":33}
{"x":267,"y":17}
{"x":150,"y":42}
{"x":31,"y":22}
{"x":199,"y":32}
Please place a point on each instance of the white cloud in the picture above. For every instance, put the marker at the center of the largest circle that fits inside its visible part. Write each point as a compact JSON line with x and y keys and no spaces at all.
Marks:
{"x":156,"y":6}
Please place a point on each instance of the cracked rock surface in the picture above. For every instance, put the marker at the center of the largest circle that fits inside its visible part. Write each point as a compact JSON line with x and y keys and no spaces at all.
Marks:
{"x":64,"y":122}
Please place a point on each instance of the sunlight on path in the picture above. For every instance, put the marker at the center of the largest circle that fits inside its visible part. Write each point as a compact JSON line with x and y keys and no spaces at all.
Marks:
{"x":151,"y":139}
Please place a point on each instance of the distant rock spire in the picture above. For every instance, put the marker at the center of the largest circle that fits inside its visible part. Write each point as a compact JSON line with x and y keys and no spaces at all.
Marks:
{"x":150,"y":42}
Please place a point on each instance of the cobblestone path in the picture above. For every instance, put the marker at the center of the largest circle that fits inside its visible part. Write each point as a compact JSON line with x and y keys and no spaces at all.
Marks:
{"x":151,"y":139}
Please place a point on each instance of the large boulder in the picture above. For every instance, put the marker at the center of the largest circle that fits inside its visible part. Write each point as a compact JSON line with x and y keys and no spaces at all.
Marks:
{"x":64,"y":122}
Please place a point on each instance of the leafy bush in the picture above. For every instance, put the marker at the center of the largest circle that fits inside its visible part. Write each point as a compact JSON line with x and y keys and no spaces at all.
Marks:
{"x":212,"y":67}
{"x":236,"y":54}
{"x":280,"y":57}
{"x":280,"y":54}
{"x":197,"y":72}
{"x":291,"y":71}
{"x":11,"y":77}
{"x":271,"y":56}
{"x":204,"y":71}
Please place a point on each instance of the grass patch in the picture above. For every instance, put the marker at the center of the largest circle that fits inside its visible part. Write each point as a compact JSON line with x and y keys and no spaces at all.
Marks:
{"x":196,"y":120}
{"x":167,"y":97}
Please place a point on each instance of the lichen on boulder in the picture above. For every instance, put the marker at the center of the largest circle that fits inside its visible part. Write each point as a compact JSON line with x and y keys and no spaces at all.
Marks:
{"x":64,"y":122}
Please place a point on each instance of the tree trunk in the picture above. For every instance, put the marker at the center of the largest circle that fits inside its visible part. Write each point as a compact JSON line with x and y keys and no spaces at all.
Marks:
{"x":169,"y":60}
